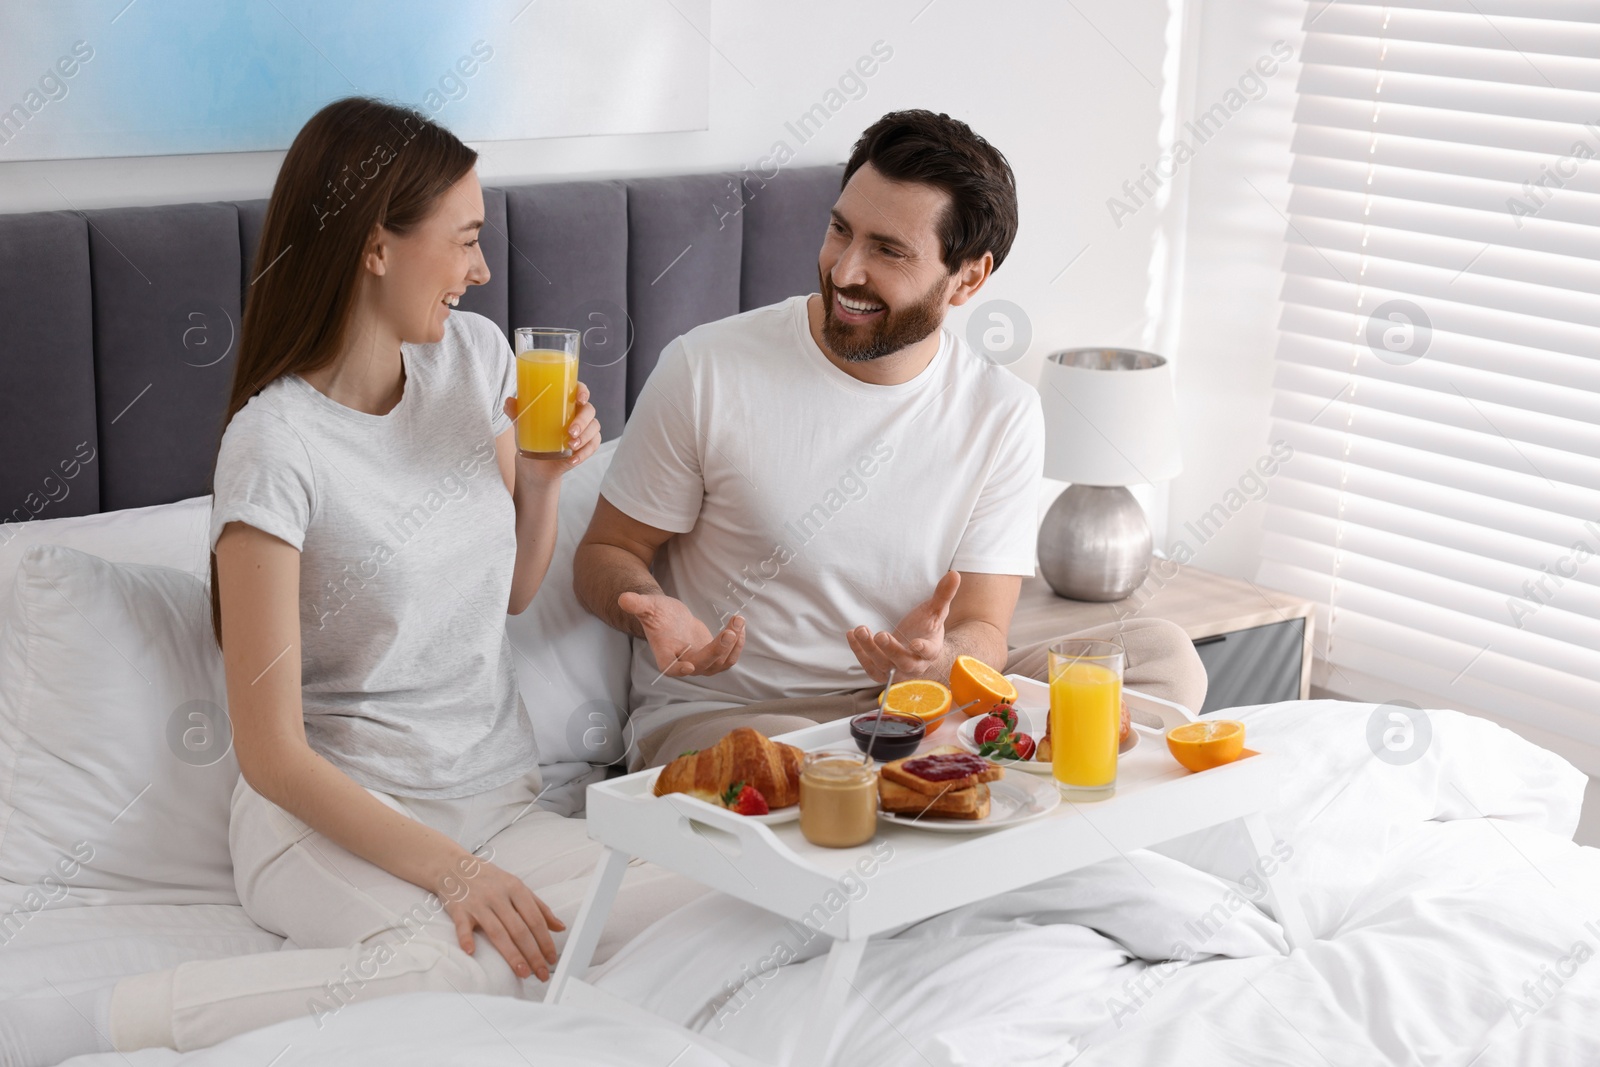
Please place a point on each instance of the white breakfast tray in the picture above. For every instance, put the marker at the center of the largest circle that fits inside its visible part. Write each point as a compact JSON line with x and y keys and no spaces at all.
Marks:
{"x":774,"y":867}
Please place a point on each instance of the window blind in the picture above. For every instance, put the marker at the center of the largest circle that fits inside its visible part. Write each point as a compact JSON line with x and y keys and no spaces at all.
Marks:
{"x":1438,"y":364}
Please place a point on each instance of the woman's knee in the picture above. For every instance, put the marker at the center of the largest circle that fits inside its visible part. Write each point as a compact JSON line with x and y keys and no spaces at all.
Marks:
{"x":484,"y":971}
{"x":427,"y":964}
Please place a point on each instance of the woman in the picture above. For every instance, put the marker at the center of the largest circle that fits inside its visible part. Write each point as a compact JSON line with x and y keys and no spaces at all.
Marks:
{"x":372,"y":525}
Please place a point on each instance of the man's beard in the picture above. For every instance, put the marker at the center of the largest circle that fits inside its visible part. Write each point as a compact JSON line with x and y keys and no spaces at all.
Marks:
{"x":893,"y":331}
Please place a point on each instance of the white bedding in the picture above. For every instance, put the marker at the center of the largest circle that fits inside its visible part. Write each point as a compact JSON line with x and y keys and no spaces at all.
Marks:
{"x":1454,"y":915}
{"x":440,"y":1030}
{"x":84,"y":947}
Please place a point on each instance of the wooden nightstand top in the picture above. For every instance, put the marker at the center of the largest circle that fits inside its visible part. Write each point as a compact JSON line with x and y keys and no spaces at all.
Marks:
{"x":1204,"y":604}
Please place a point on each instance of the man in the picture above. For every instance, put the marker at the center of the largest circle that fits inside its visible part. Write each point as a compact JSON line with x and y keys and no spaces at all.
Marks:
{"x":841,"y":485}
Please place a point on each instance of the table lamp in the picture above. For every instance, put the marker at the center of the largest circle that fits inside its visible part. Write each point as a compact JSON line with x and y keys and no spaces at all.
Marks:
{"x":1110,"y":422}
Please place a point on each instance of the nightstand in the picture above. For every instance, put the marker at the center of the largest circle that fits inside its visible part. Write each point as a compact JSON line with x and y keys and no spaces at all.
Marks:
{"x":1255,"y":642}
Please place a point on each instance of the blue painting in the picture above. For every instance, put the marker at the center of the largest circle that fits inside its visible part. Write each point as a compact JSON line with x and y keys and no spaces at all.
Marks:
{"x":159,"y":77}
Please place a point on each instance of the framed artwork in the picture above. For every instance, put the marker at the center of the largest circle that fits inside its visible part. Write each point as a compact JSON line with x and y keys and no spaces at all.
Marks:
{"x":163,"y":77}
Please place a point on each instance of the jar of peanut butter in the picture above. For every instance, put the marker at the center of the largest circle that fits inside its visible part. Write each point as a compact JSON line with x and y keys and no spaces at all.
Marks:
{"x":838,"y":798}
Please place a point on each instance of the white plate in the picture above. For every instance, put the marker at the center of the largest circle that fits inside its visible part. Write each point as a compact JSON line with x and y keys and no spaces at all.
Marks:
{"x":1032,"y":722}
{"x":1012,"y":800}
{"x":773,"y":818}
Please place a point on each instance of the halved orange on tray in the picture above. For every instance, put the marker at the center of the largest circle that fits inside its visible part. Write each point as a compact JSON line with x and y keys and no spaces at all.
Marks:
{"x":923,"y":698}
{"x":976,"y":687}
{"x":1199,"y":746}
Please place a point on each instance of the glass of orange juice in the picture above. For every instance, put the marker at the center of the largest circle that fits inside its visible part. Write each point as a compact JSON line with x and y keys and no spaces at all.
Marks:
{"x":547,"y":390}
{"x":1085,"y":717}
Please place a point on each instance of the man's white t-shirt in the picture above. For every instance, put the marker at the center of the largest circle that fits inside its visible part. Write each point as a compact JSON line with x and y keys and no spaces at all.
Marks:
{"x":811,"y":502}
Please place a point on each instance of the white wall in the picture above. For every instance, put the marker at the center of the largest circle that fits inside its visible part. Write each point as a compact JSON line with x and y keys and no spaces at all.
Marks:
{"x":1075,"y":117}
{"x":1238,"y":187}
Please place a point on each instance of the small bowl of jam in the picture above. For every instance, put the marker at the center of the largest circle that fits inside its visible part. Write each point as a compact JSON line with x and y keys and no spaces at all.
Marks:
{"x":898,"y":736}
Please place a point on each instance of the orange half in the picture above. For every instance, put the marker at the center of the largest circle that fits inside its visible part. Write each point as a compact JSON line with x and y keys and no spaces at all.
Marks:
{"x":922,"y":697}
{"x":1199,"y":746}
{"x":976,"y":687}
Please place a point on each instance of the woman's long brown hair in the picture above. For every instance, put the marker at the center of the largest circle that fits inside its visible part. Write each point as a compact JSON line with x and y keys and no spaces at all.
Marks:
{"x":358,"y":164}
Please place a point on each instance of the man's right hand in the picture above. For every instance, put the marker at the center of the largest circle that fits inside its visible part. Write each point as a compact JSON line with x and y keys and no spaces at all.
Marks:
{"x":682,"y":644}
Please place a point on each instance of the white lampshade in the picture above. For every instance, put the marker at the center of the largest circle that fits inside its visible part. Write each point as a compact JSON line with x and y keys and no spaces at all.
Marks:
{"x":1109,"y":417}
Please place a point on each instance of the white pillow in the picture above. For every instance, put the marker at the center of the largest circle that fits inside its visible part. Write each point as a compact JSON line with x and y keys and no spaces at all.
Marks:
{"x":169,"y":535}
{"x":116,"y":761}
{"x":572,"y":669}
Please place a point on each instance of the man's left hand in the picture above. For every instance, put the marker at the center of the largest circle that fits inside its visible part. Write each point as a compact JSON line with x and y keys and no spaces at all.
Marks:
{"x":916,"y":645}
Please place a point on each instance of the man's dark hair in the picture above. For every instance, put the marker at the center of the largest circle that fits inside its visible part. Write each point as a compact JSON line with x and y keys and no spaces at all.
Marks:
{"x":937,"y":150}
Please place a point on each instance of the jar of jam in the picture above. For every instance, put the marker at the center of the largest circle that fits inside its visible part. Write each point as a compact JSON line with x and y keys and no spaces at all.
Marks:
{"x":887,"y":735}
{"x":838,"y":798}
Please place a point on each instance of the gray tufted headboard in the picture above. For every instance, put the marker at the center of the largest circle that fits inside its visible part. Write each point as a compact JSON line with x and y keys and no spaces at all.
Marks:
{"x":119,"y":324}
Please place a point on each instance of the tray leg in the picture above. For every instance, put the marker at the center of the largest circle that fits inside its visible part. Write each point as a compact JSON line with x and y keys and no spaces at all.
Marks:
{"x":1281,"y":891}
{"x":580,"y":946}
{"x":843,"y":958}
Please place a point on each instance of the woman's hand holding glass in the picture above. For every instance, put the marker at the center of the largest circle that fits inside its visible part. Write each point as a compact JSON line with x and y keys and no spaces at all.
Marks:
{"x":583,"y":437}
{"x":477,"y":895}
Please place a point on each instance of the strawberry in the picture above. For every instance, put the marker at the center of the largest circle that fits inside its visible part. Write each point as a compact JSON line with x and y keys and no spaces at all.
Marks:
{"x":989,"y":728}
{"x":745,"y":799}
{"x":1008,"y":746}
{"x":995,"y":725}
{"x":1006,"y":714}
{"x":1023,"y":744}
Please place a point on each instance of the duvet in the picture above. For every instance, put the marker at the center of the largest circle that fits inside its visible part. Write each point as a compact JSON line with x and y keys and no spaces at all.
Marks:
{"x":1455,"y":923}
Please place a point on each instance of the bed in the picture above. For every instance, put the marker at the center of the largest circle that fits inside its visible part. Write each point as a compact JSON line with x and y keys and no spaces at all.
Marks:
{"x":1454,"y":917}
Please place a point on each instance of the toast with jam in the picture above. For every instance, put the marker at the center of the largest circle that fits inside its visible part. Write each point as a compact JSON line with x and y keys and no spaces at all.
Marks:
{"x":969,"y":802}
{"x":943,"y":770}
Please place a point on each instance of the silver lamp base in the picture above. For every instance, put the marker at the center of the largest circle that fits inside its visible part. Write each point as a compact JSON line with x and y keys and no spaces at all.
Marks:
{"x":1095,"y":543}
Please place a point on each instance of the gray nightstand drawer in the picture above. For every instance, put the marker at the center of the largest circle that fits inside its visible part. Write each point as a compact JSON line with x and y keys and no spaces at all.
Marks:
{"x":1256,"y":666}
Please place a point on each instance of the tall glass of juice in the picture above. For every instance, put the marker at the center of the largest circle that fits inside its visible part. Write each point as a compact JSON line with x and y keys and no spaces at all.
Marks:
{"x":1085,"y":717}
{"x":547,"y":390}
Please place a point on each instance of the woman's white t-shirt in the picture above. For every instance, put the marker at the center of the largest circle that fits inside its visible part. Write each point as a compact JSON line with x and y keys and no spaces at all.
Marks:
{"x":811,"y":502}
{"x":407,"y":540}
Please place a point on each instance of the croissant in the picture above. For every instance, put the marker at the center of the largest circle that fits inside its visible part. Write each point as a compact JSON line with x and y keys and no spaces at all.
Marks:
{"x":745,"y":755}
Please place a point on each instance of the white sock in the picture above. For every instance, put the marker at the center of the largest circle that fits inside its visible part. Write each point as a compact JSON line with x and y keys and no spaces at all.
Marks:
{"x":42,"y":1029}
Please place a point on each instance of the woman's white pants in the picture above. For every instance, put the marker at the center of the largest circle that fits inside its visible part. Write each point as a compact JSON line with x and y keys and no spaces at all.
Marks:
{"x":356,"y":932}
